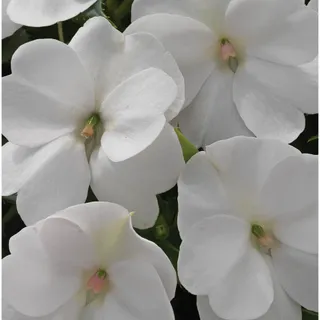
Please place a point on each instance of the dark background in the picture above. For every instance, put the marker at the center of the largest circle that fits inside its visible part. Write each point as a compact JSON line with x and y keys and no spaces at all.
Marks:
{"x":165,"y":232}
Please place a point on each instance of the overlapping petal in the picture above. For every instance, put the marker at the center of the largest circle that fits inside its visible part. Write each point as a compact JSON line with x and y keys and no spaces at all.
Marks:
{"x":139,"y":290}
{"x":283,"y":41}
{"x":136,"y":119}
{"x":216,"y":259}
{"x":201,"y":193}
{"x":297,"y":271}
{"x":208,"y":12}
{"x":122,"y":57}
{"x":60,"y":181}
{"x":39,"y":13}
{"x":282,"y":307}
{"x":135,"y":182}
{"x":18,"y":164}
{"x":31,"y":285}
{"x":189,"y":42}
{"x":107,"y":187}
{"x":212,"y":115}
{"x":295,"y":87}
{"x":42,"y":100}
{"x":244,"y":164}
{"x":263,"y":111}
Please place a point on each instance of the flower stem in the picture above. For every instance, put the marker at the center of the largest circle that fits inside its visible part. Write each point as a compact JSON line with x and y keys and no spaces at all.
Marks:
{"x":171,"y":246}
{"x":60,"y":31}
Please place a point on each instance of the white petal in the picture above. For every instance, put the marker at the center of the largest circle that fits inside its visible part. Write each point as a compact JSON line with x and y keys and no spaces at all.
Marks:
{"x":133,"y":113}
{"x":107,"y":187}
{"x":8,"y":26}
{"x":138,"y":293}
{"x":99,"y":47}
{"x":208,"y":12}
{"x":212,"y":115}
{"x":298,"y":273}
{"x":296,"y":87}
{"x":201,"y":193}
{"x":284,"y":41}
{"x":61,"y":181}
{"x":293,"y":200}
{"x":31,"y":118}
{"x":155,"y":170}
{"x":111,"y":58}
{"x":38,"y":13}
{"x":16,"y":168}
{"x":209,"y":251}
{"x":8,"y":313}
{"x":247,"y":292}
{"x":64,"y":78}
{"x":104,"y":223}
{"x":216,"y":258}
{"x":42,"y":100}
{"x":108,"y":224}
{"x":250,"y":21}
{"x":244,"y":164}
{"x":313,"y":4}
{"x":143,"y":51}
{"x":282,"y":307}
{"x":299,"y":230}
{"x":285,"y":192}
{"x":205,"y":310}
{"x":264,"y":111}
{"x":136,"y":247}
{"x":67,"y":244}
{"x":31,"y":285}
{"x":190,"y":44}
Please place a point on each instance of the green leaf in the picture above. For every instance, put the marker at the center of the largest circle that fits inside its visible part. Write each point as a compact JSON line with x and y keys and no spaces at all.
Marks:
{"x":188,"y":149}
{"x":313,"y":138}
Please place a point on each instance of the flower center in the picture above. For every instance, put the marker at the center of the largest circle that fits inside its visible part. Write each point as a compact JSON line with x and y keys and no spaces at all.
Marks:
{"x":264,"y":239}
{"x":228,"y":54}
{"x":89,"y":128}
{"x":98,"y":281}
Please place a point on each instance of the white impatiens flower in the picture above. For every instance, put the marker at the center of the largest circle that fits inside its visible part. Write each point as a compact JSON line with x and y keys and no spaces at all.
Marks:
{"x":8,"y":26}
{"x":241,"y":202}
{"x":87,"y":262}
{"x":241,"y":62}
{"x":91,"y":113}
{"x":39,"y":13}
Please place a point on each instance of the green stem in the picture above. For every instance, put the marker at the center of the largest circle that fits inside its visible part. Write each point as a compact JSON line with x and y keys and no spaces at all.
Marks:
{"x":102,"y":8}
{"x":60,"y":31}
{"x":171,"y":246}
{"x":122,"y":10}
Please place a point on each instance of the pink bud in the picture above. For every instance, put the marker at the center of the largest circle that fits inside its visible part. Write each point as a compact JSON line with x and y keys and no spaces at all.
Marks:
{"x":227,"y":51}
{"x":266,"y":241}
{"x":97,"y":282}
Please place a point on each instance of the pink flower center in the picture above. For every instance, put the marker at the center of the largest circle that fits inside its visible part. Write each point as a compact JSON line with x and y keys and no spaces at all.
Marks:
{"x":91,"y":123}
{"x":98,"y":281}
{"x":263,"y":238}
{"x":227,"y":50}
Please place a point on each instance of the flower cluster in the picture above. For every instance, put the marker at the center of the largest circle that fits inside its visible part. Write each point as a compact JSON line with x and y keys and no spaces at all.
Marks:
{"x":118,"y":114}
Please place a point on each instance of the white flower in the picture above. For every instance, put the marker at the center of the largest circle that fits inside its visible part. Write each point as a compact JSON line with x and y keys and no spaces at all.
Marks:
{"x":241,"y":201}
{"x":39,"y":13}
{"x":8,"y":26}
{"x":71,"y":112}
{"x":87,"y":262}
{"x":244,"y":56}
